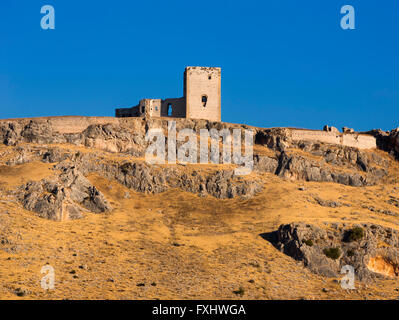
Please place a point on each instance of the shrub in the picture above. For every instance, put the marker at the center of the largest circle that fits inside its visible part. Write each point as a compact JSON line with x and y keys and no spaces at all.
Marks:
{"x":355,"y":234}
{"x":332,"y":253}
{"x":350,"y":253}
{"x":308,"y":242}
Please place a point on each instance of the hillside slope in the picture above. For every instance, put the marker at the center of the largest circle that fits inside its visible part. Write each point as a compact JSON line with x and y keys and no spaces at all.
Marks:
{"x":112,"y":226}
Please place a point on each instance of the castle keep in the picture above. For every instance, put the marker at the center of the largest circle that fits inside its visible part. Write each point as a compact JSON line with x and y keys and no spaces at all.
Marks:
{"x":201,"y":98}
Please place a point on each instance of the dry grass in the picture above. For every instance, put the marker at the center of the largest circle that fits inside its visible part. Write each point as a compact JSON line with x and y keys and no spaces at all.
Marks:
{"x":179,"y":245}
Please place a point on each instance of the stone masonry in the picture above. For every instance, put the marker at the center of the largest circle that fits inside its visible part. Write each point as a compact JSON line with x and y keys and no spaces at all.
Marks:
{"x":201,"y":99}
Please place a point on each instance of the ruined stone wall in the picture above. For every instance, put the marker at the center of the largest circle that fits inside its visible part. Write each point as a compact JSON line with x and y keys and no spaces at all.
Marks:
{"x":128,"y":112}
{"x":359,"y":141}
{"x":177,"y":105}
{"x":203,"y":93}
{"x":201,"y":100}
{"x":152,"y":107}
{"x":67,"y":124}
{"x":77,"y":124}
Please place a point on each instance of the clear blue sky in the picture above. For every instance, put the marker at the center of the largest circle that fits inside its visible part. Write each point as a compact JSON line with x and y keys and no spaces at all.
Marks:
{"x":284,"y":62}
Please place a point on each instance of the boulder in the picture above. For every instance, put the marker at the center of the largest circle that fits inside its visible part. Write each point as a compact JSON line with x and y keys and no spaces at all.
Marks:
{"x":64,"y":197}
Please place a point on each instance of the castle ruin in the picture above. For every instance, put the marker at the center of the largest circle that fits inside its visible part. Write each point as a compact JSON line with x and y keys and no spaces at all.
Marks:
{"x":201,"y":99}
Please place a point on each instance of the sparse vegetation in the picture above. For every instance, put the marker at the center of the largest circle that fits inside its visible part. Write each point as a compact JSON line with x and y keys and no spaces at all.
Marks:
{"x":355,"y":234}
{"x":350,"y":253}
{"x":308,"y":242}
{"x":233,"y":240}
{"x":332,"y":253}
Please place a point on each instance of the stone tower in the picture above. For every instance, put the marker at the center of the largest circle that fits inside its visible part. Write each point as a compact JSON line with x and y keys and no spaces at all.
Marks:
{"x":202,"y":92}
{"x":201,"y":99}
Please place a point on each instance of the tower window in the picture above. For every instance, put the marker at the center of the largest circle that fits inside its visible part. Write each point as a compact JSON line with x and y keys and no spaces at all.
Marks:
{"x":204,"y":100}
{"x":169,"y":109}
{"x":209,"y":77}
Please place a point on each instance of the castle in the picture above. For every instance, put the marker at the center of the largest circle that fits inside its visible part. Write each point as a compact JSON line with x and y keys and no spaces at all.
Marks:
{"x":201,"y":98}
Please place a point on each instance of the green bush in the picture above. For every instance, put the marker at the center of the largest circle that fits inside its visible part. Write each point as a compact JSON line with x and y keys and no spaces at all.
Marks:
{"x":355,"y":234}
{"x":308,"y":242}
{"x":332,"y":253}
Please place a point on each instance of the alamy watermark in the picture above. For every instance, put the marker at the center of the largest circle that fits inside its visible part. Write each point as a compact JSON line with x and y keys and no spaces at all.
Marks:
{"x":188,"y":151}
{"x":348,"y":281}
{"x":48,"y":20}
{"x":48,"y":281}
{"x":348,"y":20}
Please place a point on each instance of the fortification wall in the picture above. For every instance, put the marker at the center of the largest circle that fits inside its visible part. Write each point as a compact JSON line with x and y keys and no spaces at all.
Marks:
{"x":77,"y":124}
{"x":360,"y":141}
{"x":68,"y":124}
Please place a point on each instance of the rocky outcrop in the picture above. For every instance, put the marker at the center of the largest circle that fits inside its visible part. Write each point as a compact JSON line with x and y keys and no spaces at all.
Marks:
{"x":345,"y":166}
{"x":64,"y":197}
{"x":315,"y":162}
{"x":394,"y":140}
{"x":301,"y":168}
{"x":112,"y":139}
{"x":372,"y":250}
{"x":318,"y":162}
{"x":364,"y":169}
{"x":387,"y":140}
{"x":276,"y":138}
{"x":140,"y":176}
{"x":106,"y":137}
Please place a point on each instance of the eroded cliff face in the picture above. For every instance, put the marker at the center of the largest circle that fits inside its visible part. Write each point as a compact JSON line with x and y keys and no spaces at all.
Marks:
{"x":116,"y":150}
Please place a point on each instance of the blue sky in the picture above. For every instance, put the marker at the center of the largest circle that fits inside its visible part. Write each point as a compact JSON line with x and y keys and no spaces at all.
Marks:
{"x":284,"y":62}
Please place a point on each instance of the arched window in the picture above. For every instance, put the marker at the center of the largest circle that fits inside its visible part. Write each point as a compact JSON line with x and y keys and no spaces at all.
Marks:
{"x":169,"y":109}
{"x":204,"y":100}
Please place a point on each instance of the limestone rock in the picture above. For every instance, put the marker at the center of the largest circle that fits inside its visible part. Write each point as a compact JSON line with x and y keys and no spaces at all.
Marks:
{"x":63,"y":198}
{"x":318,"y":162}
{"x":326,"y":250}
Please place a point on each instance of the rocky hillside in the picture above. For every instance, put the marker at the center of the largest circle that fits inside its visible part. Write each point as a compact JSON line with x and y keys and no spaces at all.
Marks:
{"x":80,"y":197}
